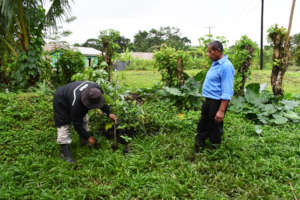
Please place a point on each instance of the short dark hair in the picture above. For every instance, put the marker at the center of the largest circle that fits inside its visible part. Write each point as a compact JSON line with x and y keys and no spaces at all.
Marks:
{"x":216,"y":45}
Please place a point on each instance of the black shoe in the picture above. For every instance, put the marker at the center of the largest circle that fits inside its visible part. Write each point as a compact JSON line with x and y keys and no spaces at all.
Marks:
{"x":198,"y":145}
{"x":65,"y":153}
{"x":214,"y":146}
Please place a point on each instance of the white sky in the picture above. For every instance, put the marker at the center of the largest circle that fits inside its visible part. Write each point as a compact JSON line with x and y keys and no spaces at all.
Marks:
{"x":229,"y":18}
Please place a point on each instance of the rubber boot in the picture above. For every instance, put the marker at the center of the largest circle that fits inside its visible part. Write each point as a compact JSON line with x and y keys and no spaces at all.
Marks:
{"x":65,"y":153}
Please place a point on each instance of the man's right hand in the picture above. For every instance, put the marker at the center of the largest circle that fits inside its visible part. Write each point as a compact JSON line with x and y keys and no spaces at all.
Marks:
{"x":92,"y":140}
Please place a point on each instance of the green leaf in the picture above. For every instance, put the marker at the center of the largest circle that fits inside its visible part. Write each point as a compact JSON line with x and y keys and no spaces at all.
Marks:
{"x":237,"y":104}
{"x":279,"y":119}
{"x":252,"y":97}
{"x":109,"y":126}
{"x":254,"y":87}
{"x":263,"y":119}
{"x":173,"y":91}
{"x":269,"y":109}
{"x":292,"y":115}
{"x":289,"y":105}
{"x":200,"y":76}
{"x":108,"y":99}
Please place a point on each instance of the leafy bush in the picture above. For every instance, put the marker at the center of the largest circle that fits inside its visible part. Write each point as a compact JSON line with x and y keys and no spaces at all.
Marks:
{"x":263,"y":107}
{"x":69,"y":63}
{"x":185,"y":97}
{"x":171,"y":63}
{"x":242,"y":58}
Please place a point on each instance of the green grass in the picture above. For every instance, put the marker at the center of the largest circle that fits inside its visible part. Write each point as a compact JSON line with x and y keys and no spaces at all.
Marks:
{"x":246,"y":166}
{"x":137,"y":79}
{"x":291,"y":81}
{"x":141,"y":79}
{"x":162,"y":166}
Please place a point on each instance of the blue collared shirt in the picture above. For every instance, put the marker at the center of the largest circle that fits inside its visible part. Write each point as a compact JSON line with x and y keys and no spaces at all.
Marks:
{"x":218,"y":83}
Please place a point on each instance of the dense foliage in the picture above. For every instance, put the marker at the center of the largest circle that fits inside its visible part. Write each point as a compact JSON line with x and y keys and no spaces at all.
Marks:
{"x":261,"y":106}
{"x":171,"y":63}
{"x":295,"y":45}
{"x":241,"y":56}
{"x":109,"y":48}
{"x":161,"y":166}
{"x":23,"y":23}
{"x":145,"y":41}
{"x":68,"y":63}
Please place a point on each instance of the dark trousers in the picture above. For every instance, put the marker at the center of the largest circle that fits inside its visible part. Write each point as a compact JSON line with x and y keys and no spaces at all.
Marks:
{"x":208,"y":127}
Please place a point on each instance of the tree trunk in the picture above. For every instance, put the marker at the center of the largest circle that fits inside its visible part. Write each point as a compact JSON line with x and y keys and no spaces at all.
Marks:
{"x":180,"y":72}
{"x":276,"y":81}
{"x":280,"y":63}
{"x":282,"y":55}
{"x":107,"y":60}
{"x":243,"y":72}
{"x":245,"y":69}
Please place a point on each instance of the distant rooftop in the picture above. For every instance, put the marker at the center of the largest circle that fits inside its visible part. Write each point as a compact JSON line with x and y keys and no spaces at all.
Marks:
{"x":142,"y":55}
{"x":87,"y":51}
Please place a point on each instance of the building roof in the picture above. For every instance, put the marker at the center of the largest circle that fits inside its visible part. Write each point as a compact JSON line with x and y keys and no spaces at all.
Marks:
{"x":52,"y":46}
{"x":86,"y":51}
{"x":143,"y":55}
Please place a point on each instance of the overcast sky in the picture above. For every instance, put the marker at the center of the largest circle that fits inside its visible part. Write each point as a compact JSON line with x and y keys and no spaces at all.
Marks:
{"x":229,"y":18}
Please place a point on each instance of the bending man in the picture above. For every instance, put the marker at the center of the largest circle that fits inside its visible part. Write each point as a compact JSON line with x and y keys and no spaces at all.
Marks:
{"x":71,"y":104}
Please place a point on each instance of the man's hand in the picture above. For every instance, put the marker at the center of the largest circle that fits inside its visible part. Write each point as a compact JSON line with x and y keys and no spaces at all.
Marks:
{"x":220,"y":116}
{"x":92,"y":140}
{"x":113,"y":117}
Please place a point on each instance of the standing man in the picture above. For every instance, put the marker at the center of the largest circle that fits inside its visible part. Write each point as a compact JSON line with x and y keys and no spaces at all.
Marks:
{"x":71,"y":104}
{"x":217,"y":90}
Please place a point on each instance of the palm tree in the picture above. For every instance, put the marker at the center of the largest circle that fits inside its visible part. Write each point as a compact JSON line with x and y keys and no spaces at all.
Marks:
{"x":22,"y":27}
{"x":17,"y":17}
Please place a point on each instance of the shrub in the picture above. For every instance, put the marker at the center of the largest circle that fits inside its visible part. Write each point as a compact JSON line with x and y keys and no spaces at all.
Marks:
{"x":263,"y":107}
{"x":69,"y":63}
{"x":171,"y":64}
{"x":241,"y":57}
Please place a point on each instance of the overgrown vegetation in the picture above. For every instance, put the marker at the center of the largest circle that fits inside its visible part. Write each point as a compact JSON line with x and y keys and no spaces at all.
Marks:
{"x":171,"y":63}
{"x":261,"y":106}
{"x":22,"y":28}
{"x":68,"y":63}
{"x":258,"y":159}
{"x":242,"y":57}
{"x":161,"y":166}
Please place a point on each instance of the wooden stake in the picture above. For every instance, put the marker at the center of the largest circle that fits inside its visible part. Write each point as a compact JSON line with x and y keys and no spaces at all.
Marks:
{"x":295,"y":197}
{"x":290,"y":26}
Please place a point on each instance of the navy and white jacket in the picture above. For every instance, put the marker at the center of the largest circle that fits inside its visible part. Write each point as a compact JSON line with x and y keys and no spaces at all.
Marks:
{"x":68,"y":107}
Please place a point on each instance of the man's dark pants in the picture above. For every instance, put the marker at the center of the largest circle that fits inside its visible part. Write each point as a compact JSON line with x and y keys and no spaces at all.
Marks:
{"x":208,"y":127}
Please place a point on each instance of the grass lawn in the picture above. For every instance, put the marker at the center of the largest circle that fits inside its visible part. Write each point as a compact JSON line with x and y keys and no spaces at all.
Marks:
{"x":140,"y":79}
{"x":162,"y":166}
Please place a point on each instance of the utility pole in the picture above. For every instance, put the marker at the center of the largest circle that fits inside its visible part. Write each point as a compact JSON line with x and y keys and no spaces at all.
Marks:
{"x":209,"y":29}
{"x":262,"y":36}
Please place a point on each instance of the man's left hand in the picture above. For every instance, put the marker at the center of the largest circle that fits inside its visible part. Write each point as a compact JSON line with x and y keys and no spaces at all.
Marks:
{"x":220,"y":116}
{"x":113,"y":117}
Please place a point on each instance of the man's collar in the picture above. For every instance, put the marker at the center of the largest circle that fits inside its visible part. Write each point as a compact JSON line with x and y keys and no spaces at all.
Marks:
{"x":221,"y":60}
